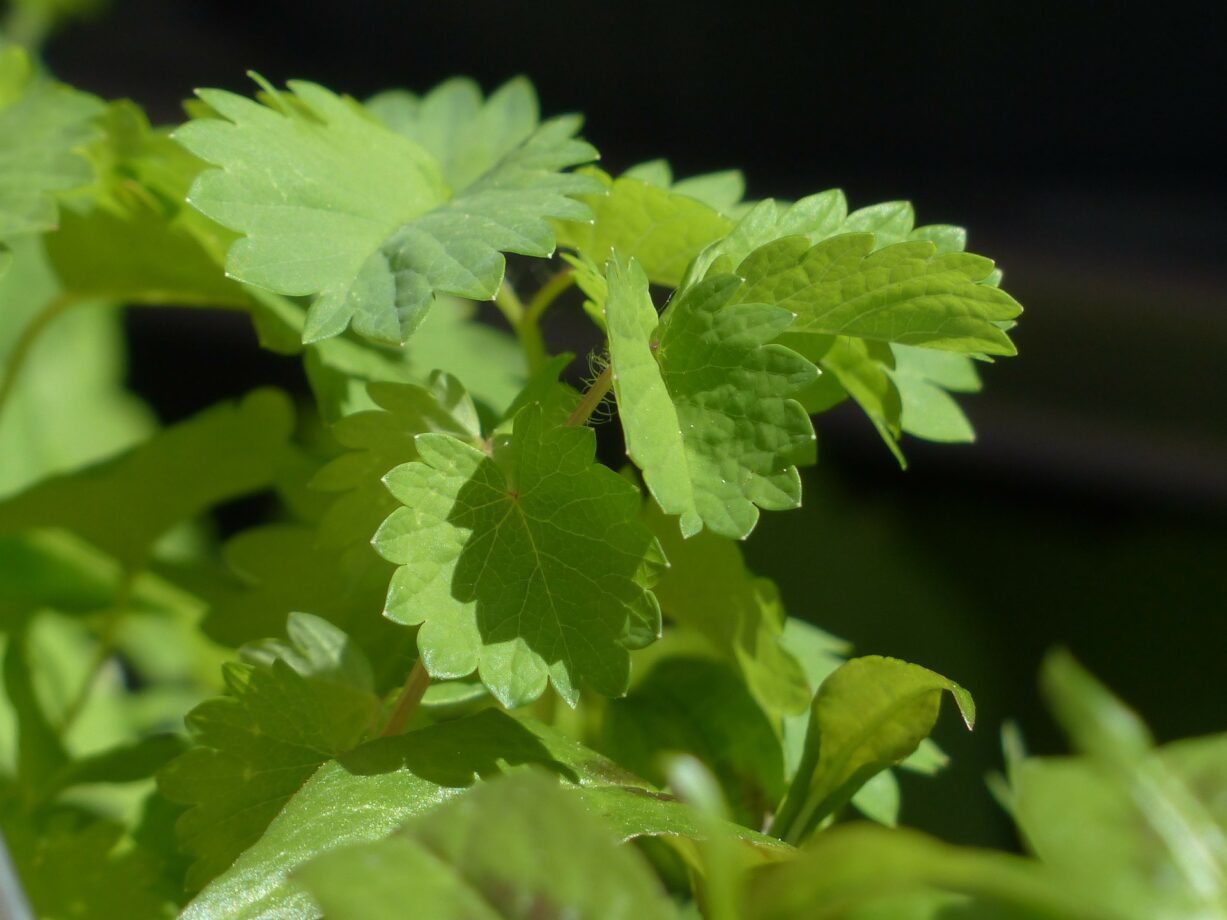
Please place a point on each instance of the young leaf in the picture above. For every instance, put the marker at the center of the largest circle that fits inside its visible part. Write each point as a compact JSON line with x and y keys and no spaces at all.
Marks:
{"x":529,"y":565}
{"x":925,"y":378}
{"x":906,"y":293}
{"x":721,"y":190}
{"x":370,"y":792}
{"x":708,"y":589}
{"x":229,"y":450}
{"x":467,"y":860}
{"x":43,"y":128}
{"x":870,"y":714}
{"x":290,"y":709}
{"x":335,"y":206}
{"x":704,"y":401}
{"x":660,"y":229}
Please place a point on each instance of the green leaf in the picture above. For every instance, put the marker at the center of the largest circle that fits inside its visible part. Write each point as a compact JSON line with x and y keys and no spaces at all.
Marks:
{"x":907,"y":293}
{"x":124,"y":505}
{"x":868,"y":715}
{"x":924,"y":378}
{"x":708,"y":589}
{"x":370,"y":792}
{"x":467,"y":135}
{"x":334,"y":205}
{"x":40,"y":752}
{"x":44,"y":127}
{"x":850,"y":870}
{"x":721,"y":190}
{"x":467,"y":860}
{"x":1142,"y":831}
{"x":529,"y":565}
{"x":290,"y":709}
{"x":704,"y":401}
{"x":662,"y":230}
{"x":699,"y":707}
{"x":379,"y":440}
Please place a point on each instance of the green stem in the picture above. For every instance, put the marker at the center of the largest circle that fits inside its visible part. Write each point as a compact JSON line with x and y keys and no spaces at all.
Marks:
{"x":526,"y":320}
{"x":410,"y":697}
{"x":549,"y":292}
{"x":25,"y":343}
{"x":102,"y":654}
{"x":592,"y":398}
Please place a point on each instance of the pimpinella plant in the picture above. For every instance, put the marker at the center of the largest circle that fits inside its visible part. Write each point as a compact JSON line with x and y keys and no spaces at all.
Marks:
{"x":465,"y":668}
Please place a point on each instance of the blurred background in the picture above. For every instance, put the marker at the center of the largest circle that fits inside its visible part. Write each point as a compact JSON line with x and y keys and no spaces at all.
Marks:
{"x":1081,"y":145}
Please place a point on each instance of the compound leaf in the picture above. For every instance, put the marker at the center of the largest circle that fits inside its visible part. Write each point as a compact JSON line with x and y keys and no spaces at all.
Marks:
{"x":336,"y":206}
{"x":705,"y":400}
{"x":529,"y":565}
{"x":907,"y":293}
{"x":466,"y":860}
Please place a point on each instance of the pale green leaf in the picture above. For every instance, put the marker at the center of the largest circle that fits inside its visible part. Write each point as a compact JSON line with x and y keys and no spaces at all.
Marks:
{"x":292,"y":708}
{"x":467,"y":860}
{"x":924,"y":378}
{"x":857,"y":870}
{"x":529,"y":565}
{"x":44,"y":127}
{"x":336,"y":206}
{"x":124,"y":505}
{"x":907,"y":293}
{"x":868,"y":715}
{"x":707,"y":589}
{"x":467,"y":135}
{"x":662,"y":230}
{"x":705,"y":402}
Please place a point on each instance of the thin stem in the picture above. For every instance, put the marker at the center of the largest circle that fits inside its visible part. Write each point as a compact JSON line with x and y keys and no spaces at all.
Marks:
{"x":20,"y":353}
{"x":548,"y":293}
{"x":592,"y":398}
{"x":407,"y":703}
{"x":103,"y":653}
{"x":526,"y":331}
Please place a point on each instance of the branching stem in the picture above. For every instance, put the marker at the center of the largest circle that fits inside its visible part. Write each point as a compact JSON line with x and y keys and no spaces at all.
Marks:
{"x":526,"y":320}
{"x":592,"y":398}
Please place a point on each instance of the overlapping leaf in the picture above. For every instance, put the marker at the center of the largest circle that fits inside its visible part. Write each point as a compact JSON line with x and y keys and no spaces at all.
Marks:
{"x":529,"y":565}
{"x":335,"y":205}
{"x":466,"y":860}
{"x":705,"y":401}
{"x":290,"y":709}
{"x":722,"y":190}
{"x":907,"y":293}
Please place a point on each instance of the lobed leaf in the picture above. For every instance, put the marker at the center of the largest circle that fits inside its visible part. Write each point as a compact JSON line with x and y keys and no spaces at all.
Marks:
{"x":334,"y":205}
{"x":528,"y":565}
{"x":705,"y":401}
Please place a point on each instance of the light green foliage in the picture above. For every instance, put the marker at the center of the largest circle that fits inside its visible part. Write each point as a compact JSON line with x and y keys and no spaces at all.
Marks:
{"x":907,"y":293}
{"x":721,"y":190}
{"x":661,"y":229}
{"x":869,"y":714}
{"x":66,"y":407}
{"x":334,"y":205}
{"x":43,"y":128}
{"x":708,"y":590}
{"x":859,"y":872}
{"x":380,"y":439}
{"x":226,"y":451}
{"x":466,"y":861}
{"x":925,"y":378}
{"x":370,"y":792}
{"x":705,"y":401}
{"x":1140,"y":830}
{"x":527,"y":565}
{"x":290,"y":709}
{"x":700,"y":707}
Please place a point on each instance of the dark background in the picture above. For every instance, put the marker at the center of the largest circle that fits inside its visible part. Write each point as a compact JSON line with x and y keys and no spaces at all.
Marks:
{"x":1078,"y":141}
